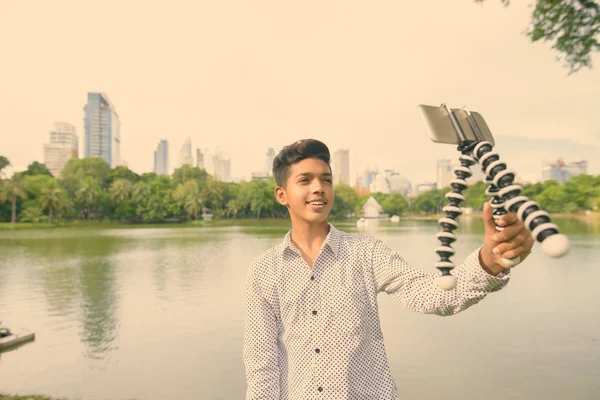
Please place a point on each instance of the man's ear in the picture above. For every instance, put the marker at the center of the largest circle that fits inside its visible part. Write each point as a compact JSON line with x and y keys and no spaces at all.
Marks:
{"x":280,"y":195}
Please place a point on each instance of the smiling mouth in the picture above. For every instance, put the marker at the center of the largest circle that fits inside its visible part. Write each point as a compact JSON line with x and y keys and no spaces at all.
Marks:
{"x":317,"y":203}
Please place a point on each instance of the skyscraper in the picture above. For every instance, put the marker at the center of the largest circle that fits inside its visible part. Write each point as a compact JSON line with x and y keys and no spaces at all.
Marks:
{"x":102,"y":129}
{"x":199,"y":159}
{"x":269,"y":161}
{"x":63,"y":146}
{"x":185,"y":153}
{"x":341,"y":167}
{"x":161,"y":158}
{"x":444,"y":173}
{"x":222,"y":166}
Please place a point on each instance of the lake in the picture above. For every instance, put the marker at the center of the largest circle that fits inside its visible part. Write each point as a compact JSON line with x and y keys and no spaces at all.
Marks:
{"x":157,"y":313}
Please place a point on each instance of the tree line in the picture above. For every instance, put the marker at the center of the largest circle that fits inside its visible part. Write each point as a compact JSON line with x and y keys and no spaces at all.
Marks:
{"x":88,"y":189}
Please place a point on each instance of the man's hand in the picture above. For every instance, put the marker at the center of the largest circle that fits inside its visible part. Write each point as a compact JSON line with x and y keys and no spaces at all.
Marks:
{"x":514,"y":240}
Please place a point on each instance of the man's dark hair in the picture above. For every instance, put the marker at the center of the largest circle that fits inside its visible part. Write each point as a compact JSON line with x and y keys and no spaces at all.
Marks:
{"x":296,"y":152}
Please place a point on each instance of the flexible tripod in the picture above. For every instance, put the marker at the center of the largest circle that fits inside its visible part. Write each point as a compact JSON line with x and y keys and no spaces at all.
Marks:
{"x":505,"y":195}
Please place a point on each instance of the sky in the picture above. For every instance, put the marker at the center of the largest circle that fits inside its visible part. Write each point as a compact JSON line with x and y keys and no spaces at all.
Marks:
{"x":243,"y":76}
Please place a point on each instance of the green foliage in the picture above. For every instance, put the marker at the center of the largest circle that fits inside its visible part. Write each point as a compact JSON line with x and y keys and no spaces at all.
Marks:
{"x":572,"y":26}
{"x":395,"y":204}
{"x":89,"y":189}
{"x":347,"y":201}
{"x":33,"y":169}
{"x":3,"y":163}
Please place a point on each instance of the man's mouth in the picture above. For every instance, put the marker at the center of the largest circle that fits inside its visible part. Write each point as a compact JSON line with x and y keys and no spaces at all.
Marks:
{"x":317,"y":202}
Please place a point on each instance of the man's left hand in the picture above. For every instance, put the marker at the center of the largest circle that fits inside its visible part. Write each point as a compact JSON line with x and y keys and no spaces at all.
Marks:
{"x":514,"y":240}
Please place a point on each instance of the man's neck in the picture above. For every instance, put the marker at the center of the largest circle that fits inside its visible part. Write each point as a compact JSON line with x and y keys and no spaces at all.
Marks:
{"x":309,"y":237}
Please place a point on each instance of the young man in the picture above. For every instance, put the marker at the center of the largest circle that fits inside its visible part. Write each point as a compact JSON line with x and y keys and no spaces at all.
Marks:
{"x":312,"y":326}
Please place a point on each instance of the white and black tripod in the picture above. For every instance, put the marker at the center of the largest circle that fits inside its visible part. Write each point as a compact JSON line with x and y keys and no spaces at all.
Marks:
{"x":475,"y":143}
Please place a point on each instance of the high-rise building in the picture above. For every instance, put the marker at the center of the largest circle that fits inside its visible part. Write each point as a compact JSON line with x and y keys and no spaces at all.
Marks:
{"x":222,"y":166}
{"x":341,"y":166}
{"x":269,"y":161}
{"x":199,"y":159}
{"x":63,"y":146}
{"x":444,"y":173}
{"x":161,"y":158}
{"x":562,"y":172}
{"x":102,"y":129}
{"x":185,"y":153}
{"x":366,"y":177}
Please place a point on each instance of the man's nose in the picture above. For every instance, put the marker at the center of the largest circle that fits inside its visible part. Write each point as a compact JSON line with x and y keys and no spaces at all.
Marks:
{"x":317,"y":186}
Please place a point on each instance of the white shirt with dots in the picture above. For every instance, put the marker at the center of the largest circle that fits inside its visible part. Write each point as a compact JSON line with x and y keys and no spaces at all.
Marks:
{"x":315,"y":333}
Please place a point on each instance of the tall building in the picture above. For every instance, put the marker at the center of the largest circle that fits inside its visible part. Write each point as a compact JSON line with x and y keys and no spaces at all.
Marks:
{"x":161,"y":158}
{"x":341,"y":166}
{"x":200,"y":159}
{"x":269,"y":161}
{"x":444,"y":173}
{"x":562,"y":172}
{"x":366,"y":177}
{"x":389,"y":181}
{"x":102,"y":129}
{"x":185,"y":153}
{"x":221,"y":166}
{"x":63,"y":146}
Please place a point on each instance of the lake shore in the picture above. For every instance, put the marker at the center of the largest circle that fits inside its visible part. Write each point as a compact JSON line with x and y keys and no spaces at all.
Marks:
{"x":239,"y":222}
{"x":27,"y":397}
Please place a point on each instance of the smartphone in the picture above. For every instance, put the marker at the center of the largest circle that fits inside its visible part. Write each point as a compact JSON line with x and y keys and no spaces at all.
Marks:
{"x":441,"y":130}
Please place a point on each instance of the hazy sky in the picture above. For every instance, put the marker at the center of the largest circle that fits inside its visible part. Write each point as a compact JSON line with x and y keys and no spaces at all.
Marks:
{"x":242,"y":76}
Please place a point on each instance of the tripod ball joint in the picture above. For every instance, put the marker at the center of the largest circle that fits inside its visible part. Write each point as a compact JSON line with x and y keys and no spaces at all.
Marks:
{"x":447,"y":282}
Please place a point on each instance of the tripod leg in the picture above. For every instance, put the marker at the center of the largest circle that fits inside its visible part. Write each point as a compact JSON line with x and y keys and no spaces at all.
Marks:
{"x":537,"y":221}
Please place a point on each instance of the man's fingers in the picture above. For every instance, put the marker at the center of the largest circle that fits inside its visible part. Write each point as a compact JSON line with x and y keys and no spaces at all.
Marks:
{"x":517,"y":251}
{"x":508,"y":219}
{"x":510,"y":232}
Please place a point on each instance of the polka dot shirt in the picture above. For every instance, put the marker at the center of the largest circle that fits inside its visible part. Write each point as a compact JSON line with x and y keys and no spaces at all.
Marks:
{"x":314,"y":333}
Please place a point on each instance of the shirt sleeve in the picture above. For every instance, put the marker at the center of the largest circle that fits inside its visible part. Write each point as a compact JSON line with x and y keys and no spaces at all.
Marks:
{"x":418,"y":290}
{"x":261,"y":358}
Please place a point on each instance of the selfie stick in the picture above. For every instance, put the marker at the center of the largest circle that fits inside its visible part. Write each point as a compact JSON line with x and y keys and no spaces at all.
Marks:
{"x":505,"y":197}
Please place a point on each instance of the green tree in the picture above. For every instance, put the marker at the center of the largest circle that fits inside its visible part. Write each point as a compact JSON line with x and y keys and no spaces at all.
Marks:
{"x":120,"y":191}
{"x":395,"y":204}
{"x":33,"y":169}
{"x":32,"y":213}
{"x":11,"y":190}
{"x":189,"y":196}
{"x":3,"y":164}
{"x":572,"y":25}
{"x":347,"y":201}
{"x":51,"y":198}
{"x":87,"y":194}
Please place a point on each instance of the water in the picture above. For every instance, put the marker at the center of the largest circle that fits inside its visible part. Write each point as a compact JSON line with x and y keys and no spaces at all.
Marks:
{"x":157,"y":313}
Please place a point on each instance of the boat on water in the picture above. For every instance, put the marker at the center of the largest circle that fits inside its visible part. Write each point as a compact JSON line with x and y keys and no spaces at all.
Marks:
{"x":12,"y":339}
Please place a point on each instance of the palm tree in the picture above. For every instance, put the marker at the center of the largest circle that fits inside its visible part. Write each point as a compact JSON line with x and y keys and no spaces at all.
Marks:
{"x":10,"y":190}
{"x":87,"y":194}
{"x":32,"y":214}
{"x":190,"y":197}
{"x":51,"y":199}
{"x":119,"y":191}
{"x":140,"y":191}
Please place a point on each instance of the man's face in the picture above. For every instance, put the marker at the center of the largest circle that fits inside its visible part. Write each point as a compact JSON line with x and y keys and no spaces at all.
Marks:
{"x":309,"y":191}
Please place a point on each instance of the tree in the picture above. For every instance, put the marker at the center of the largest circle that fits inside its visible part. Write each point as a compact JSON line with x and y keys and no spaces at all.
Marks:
{"x":347,"y":201}
{"x":3,"y":164}
{"x":33,"y":214}
{"x":189,"y":196}
{"x":11,"y":190}
{"x":395,"y":204}
{"x":51,"y":199}
{"x":34,"y":169}
{"x":87,"y":194}
{"x":573,"y":25}
{"x":119,"y":191}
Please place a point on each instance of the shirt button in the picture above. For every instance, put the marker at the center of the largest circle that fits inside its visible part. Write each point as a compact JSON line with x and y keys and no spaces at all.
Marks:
{"x":317,"y":350}
{"x":320,"y":389}
{"x":315,"y":312}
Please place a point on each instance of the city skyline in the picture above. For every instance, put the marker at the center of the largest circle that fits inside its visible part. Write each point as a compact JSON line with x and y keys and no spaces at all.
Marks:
{"x":361,"y":95}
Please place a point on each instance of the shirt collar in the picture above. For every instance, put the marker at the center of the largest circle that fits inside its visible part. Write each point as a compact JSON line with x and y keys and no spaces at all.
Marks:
{"x":332,"y":241}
